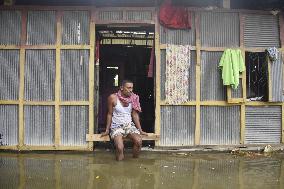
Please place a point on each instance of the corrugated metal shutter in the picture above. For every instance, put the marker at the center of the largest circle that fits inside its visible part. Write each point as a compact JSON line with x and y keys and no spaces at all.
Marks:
{"x":74,"y":122}
{"x":276,"y":76}
{"x":40,"y":75}
{"x":9,"y":125}
{"x":212,"y":87}
{"x":261,"y":31}
{"x":192,"y":79}
{"x":39,"y":125}
{"x":263,"y":124}
{"x":9,"y":74}
{"x":177,"y":125}
{"x":220,"y":125}
{"x":10,"y":27}
{"x":41,"y":28}
{"x":74,"y":75}
{"x":76,"y":28}
{"x":178,"y":37}
{"x":219,"y":29}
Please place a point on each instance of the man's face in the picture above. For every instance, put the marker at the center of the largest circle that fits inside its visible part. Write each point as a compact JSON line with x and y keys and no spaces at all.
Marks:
{"x":127,"y":89}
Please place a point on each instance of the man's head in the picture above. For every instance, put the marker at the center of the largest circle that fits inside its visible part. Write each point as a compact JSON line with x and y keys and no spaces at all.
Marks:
{"x":126,"y":88}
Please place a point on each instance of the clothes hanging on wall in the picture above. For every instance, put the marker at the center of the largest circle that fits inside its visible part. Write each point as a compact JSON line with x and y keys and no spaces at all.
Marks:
{"x":175,"y":17}
{"x":177,"y":74}
{"x":232,"y":63}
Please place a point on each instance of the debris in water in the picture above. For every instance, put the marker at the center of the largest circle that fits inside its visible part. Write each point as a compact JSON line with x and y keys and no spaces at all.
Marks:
{"x":268,"y":149}
{"x":97,"y":177}
{"x":166,"y":166}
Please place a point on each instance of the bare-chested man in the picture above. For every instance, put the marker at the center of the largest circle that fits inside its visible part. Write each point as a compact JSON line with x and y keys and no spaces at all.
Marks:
{"x":123,"y":119}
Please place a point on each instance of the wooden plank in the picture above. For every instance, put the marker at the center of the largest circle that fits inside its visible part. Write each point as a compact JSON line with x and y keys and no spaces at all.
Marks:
{"x":22,"y":80}
{"x":74,"y":103}
{"x":158,"y":81}
{"x":227,"y":4}
{"x":198,"y":80}
{"x":57,"y":132}
{"x":9,"y":102}
{"x":98,"y":137}
{"x":243,"y":123}
{"x":91,"y":77}
{"x":79,"y":47}
{"x":38,"y":103}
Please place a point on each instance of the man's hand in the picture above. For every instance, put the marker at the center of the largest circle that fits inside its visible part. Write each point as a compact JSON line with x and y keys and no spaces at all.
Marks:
{"x":143,"y":133}
{"x":105,"y":133}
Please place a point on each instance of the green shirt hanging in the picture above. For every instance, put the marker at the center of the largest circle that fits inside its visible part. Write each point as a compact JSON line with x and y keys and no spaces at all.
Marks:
{"x":232,"y":64}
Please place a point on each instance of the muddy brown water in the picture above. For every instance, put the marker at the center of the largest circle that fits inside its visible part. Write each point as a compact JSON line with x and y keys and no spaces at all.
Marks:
{"x":152,"y":170}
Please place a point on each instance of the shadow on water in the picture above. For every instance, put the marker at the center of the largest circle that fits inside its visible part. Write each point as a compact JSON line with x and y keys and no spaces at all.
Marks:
{"x":150,"y":171}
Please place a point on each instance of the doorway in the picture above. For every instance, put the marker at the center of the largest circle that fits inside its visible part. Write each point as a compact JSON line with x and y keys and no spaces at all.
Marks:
{"x":125,"y":53}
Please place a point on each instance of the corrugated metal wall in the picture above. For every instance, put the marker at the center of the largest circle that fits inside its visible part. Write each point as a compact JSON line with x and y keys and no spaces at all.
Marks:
{"x":219,"y":29}
{"x":10,"y":176}
{"x":215,"y":171}
{"x":178,"y":37}
{"x":9,"y":125}
{"x":75,"y":28}
{"x":110,"y":15}
{"x":9,"y":74}
{"x":276,"y":75}
{"x":251,"y":171}
{"x":39,"y":173}
{"x":39,"y":125}
{"x":212,"y":87}
{"x":74,"y":75}
{"x":40,"y":75}
{"x":41,"y":28}
{"x":238,"y":93}
{"x":263,"y":124}
{"x":177,"y":125}
{"x":261,"y":31}
{"x":220,"y":125}
{"x":138,"y":15}
{"x":192,"y":78}
{"x":10,"y":30}
{"x":74,"y":122}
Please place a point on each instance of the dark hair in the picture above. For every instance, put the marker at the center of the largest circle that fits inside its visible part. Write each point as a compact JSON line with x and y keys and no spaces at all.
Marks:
{"x":125,"y":81}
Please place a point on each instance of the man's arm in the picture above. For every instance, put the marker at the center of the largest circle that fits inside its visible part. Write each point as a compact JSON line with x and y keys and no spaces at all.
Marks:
{"x":110,"y":102}
{"x":136,"y":120}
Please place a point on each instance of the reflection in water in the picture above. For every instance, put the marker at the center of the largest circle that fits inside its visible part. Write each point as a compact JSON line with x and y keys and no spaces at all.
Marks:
{"x":150,"y":171}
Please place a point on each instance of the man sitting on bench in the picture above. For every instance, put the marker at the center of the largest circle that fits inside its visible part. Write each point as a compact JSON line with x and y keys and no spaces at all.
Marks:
{"x":123,"y":107}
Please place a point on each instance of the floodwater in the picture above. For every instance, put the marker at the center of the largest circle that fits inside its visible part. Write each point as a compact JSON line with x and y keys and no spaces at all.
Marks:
{"x":152,"y":170}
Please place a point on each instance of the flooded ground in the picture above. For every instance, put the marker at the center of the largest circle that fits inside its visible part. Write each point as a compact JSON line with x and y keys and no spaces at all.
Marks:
{"x":152,"y":170}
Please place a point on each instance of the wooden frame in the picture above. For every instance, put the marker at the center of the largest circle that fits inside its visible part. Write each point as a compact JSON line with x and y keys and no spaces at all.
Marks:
{"x":93,"y":72}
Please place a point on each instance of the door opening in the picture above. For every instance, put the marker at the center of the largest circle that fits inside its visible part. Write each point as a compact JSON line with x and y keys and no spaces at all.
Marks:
{"x":125,"y":53}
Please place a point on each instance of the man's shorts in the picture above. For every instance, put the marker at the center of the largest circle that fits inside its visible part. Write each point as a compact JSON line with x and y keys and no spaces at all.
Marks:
{"x":124,"y":130}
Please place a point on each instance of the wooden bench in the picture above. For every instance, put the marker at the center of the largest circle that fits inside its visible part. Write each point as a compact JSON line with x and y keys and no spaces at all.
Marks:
{"x":97,"y":137}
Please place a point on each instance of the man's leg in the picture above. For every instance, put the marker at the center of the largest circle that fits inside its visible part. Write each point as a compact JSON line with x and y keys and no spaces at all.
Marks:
{"x":119,"y":147}
{"x":137,"y":143}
